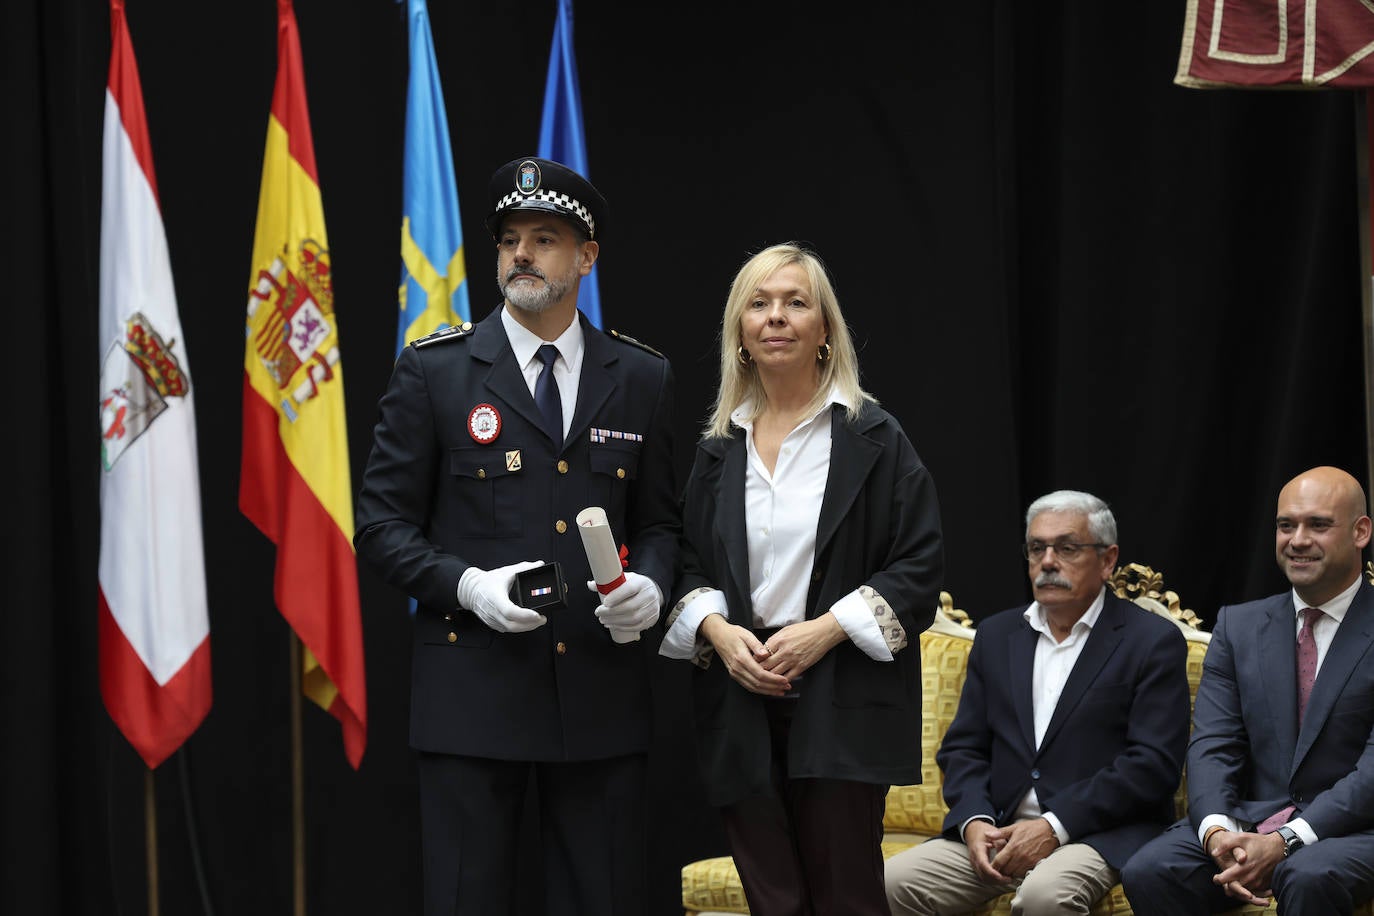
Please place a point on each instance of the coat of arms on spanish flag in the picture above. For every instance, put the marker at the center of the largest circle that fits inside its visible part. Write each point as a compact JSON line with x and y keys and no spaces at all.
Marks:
{"x":294,"y":480}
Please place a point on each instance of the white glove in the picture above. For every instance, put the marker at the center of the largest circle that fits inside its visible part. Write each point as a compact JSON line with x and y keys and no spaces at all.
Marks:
{"x":487,"y":594}
{"x":631,"y":607}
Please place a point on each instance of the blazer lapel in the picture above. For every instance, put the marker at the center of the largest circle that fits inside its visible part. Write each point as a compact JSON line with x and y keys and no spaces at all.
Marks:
{"x":852,"y":456}
{"x":1279,"y":664}
{"x":1347,"y":650}
{"x":1021,"y":665}
{"x":730,"y":522}
{"x":504,"y":379}
{"x":597,"y":383}
{"x":1103,"y":640}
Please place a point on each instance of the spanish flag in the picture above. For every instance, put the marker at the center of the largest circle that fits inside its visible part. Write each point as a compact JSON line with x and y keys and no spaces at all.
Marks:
{"x":294,"y":479}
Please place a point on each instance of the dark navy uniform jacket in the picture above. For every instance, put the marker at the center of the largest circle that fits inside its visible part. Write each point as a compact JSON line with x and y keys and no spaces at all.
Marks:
{"x":436,"y":500}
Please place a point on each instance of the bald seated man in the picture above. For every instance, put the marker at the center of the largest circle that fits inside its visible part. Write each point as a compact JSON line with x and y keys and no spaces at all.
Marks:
{"x":1281,"y":773}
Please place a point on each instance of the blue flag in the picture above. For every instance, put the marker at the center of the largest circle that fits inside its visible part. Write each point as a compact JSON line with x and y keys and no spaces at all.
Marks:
{"x":434,"y":291}
{"x":560,"y":130}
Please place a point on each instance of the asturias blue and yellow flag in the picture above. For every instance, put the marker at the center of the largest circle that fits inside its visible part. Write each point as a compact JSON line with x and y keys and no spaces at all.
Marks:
{"x":434,"y":288}
{"x":560,"y":130}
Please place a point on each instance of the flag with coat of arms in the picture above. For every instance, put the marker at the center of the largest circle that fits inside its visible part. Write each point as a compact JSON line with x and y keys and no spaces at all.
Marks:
{"x":294,"y":481}
{"x":153,"y":619}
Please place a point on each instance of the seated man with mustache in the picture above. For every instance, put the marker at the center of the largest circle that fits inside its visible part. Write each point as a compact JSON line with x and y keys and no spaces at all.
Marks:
{"x":1068,"y":743}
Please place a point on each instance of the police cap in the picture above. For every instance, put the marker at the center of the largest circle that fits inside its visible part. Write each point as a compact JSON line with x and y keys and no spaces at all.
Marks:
{"x":542,"y":184}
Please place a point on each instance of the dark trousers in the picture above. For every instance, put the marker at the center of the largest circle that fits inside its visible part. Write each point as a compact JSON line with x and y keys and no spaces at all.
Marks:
{"x":810,"y":847}
{"x":591,"y":845}
{"x":1172,"y":876}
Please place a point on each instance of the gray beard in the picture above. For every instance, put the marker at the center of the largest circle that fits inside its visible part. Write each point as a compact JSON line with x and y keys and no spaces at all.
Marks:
{"x":531,"y":299}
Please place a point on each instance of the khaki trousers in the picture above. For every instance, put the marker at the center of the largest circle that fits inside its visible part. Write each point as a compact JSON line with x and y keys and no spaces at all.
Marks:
{"x":935,"y":878}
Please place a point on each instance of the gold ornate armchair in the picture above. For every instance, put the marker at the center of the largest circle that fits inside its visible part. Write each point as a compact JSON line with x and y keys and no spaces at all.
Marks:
{"x":711,"y":887}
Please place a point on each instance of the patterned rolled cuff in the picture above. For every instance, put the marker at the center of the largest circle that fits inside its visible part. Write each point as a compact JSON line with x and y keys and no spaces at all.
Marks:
{"x":702,"y":650}
{"x":894,"y":634}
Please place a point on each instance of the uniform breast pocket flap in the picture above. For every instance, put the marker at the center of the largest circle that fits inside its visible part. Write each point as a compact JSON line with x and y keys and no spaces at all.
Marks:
{"x":484,"y":491}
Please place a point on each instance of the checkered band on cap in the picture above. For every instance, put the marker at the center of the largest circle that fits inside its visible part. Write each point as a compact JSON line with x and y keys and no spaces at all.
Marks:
{"x":558,"y":199}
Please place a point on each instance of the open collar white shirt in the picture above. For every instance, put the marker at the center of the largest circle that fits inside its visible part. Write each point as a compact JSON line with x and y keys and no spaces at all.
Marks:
{"x":782,"y":509}
{"x":1054,"y":663}
{"x":782,"y":512}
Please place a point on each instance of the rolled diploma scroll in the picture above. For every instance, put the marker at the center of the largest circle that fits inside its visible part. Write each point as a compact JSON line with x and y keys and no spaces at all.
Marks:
{"x":602,"y":557}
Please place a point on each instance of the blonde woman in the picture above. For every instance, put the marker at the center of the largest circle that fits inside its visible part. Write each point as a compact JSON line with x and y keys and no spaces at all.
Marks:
{"x":812,"y":558}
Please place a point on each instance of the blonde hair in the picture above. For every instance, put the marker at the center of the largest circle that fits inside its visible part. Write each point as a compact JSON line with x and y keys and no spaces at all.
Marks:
{"x":739,"y":382}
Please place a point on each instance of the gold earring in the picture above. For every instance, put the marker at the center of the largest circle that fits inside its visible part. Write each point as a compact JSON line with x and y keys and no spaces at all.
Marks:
{"x":743,"y":356}
{"x":823,"y":352}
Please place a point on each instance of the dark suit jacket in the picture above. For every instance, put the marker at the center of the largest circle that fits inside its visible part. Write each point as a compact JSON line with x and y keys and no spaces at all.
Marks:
{"x":1247,"y":758}
{"x":879,"y":525}
{"x":1112,"y":755}
{"x":434,"y":501}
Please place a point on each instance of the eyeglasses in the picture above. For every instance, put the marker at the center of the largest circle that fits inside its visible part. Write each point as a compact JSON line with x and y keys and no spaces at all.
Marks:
{"x":1064,"y":550}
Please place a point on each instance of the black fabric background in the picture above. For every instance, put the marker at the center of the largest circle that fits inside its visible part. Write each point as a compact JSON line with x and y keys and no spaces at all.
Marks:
{"x":1061,"y":270}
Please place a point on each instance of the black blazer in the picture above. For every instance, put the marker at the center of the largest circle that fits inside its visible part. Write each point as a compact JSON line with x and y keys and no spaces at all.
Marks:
{"x":435,"y":500}
{"x":879,"y":525}
{"x":1112,"y":756}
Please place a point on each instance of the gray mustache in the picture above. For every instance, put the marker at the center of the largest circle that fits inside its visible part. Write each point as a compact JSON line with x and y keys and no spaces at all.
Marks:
{"x":1052,"y":580}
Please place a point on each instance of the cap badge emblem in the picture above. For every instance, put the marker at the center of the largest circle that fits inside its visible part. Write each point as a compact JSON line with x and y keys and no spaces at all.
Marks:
{"x":528,"y":177}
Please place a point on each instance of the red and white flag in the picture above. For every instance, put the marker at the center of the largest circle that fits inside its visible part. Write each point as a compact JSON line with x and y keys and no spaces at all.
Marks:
{"x":154,"y":624}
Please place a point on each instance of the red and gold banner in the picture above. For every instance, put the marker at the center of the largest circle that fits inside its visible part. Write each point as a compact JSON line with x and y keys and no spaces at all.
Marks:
{"x":1271,"y":43}
{"x":294,"y":480}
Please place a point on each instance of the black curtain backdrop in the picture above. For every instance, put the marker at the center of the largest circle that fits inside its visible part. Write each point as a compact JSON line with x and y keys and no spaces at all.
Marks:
{"x":1061,"y":270}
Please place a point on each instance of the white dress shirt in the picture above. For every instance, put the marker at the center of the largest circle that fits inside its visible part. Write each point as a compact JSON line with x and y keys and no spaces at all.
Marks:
{"x":781,"y":510}
{"x":567,"y":369}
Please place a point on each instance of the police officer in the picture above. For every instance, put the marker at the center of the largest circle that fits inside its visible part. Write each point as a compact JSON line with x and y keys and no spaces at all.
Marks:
{"x":491,"y":439}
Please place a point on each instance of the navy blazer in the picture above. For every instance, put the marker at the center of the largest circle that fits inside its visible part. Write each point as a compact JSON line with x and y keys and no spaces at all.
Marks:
{"x":879,"y":525}
{"x":1247,"y":758}
{"x":1112,"y":756}
{"x":436,"y":500}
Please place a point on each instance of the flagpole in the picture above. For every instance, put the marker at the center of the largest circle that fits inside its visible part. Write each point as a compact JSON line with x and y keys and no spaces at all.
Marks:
{"x":150,"y":839}
{"x":297,"y":779}
{"x":1363,"y":167}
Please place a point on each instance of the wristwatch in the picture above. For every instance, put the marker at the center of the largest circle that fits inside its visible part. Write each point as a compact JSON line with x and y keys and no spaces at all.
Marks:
{"x":1291,"y":841}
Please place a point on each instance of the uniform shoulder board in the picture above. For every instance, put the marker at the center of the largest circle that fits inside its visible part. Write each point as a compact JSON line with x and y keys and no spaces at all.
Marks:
{"x":452,"y":332}
{"x":630,"y":340}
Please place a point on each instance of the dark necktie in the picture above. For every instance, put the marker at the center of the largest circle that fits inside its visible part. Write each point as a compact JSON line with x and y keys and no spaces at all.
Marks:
{"x":1307,"y":658}
{"x":546,"y":396}
{"x":1307,"y":673}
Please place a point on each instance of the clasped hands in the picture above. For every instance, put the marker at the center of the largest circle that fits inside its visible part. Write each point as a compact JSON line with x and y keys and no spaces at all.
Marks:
{"x":631,"y":607}
{"x":1246,"y":863}
{"x":1002,"y":855}
{"x":768,"y":668}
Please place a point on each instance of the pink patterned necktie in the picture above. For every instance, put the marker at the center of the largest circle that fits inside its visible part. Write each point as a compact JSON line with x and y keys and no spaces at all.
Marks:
{"x":1307,"y":673}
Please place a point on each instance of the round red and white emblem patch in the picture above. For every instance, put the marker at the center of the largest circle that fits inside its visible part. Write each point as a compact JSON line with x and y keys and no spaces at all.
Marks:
{"x":484,"y":423}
